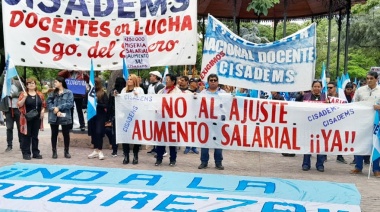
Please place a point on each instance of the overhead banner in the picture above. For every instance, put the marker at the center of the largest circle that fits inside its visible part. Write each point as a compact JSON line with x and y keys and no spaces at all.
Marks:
{"x":40,"y":187}
{"x":68,"y":34}
{"x":284,"y":65}
{"x":241,"y":123}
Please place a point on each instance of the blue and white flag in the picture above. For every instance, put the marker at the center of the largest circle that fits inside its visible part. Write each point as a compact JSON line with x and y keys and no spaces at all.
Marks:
{"x":324,"y":79}
{"x":285,"y":65}
{"x":165,"y":73}
{"x":91,"y":103}
{"x":10,"y":72}
{"x":376,"y":137}
{"x":125,"y":70}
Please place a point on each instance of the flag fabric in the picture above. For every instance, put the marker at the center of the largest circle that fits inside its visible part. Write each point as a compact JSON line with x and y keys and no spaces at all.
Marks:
{"x":165,"y":73}
{"x":91,"y":103}
{"x":341,"y":85}
{"x":125,"y":70}
{"x":324,"y":79}
{"x":376,"y":138}
{"x":10,"y":72}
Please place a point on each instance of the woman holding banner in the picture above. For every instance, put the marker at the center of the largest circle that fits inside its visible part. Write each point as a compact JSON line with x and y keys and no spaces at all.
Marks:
{"x":60,"y":103}
{"x":170,"y":88}
{"x":32,"y":108}
{"x":314,"y":96}
{"x":132,"y":87}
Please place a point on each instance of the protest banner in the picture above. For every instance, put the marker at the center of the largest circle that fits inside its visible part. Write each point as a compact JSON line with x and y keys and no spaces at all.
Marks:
{"x":76,"y":86}
{"x":284,"y":65}
{"x":68,"y":34}
{"x":136,"y":52}
{"x":40,"y":187}
{"x":241,"y":123}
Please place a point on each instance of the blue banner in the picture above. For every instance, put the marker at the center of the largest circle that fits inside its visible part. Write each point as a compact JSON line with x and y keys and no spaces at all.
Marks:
{"x":76,"y":86}
{"x":284,"y":65}
{"x":40,"y":187}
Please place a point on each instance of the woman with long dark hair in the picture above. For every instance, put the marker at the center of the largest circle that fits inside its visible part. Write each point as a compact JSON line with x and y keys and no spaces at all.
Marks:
{"x":96,"y":124}
{"x":60,"y":102}
{"x":30,"y":101}
{"x":110,"y":124}
{"x":314,"y":96}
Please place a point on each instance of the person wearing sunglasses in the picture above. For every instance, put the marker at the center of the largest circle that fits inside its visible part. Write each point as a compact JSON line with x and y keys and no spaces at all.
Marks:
{"x":331,"y":92}
{"x":213,"y":88}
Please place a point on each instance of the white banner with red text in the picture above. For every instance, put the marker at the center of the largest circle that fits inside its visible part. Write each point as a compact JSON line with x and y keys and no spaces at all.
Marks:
{"x":240,"y":123}
{"x":68,"y":34}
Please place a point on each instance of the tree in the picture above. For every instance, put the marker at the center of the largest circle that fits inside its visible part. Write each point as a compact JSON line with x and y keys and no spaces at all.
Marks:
{"x":261,"y":6}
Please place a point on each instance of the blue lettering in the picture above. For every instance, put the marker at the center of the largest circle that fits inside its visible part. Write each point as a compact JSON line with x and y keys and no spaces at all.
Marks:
{"x":124,"y":14}
{"x":10,"y":173}
{"x":245,"y":202}
{"x":46,"y":174}
{"x":98,"y":12}
{"x":152,"y":179}
{"x":141,"y":201}
{"x":270,"y":207}
{"x":52,"y":9}
{"x":195,"y":183}
{"x":12,"y":195}
{"x":87,"y":198}
{"x":96,"y":175}
{"x":153,"y":8}
{"x":170,"y":200}
{"x":5,"y":185}
{"x":269,"y":187}
{"x":183,"y":7}
{"x":82,"y":7}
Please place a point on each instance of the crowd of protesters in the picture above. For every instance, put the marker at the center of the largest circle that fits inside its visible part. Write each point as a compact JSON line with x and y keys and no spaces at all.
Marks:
{"x":26,"y":109}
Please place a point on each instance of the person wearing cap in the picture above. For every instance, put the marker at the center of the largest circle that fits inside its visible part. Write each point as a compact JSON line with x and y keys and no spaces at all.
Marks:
{"x":193,"y":88}
{"x":153,"y":88}
{"x":170,"y":88}
{"x":193,"y":85}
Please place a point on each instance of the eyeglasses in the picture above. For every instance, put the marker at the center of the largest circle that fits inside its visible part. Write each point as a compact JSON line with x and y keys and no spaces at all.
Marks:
{"x":213,"y":80}
{"x":330,"y":87}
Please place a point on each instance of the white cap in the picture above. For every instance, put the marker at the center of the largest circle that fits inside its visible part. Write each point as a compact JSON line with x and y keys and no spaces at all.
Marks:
{"x":156,"y":73}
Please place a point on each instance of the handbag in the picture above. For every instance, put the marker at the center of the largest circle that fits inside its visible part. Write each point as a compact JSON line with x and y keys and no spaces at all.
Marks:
{"x":32,"y":114}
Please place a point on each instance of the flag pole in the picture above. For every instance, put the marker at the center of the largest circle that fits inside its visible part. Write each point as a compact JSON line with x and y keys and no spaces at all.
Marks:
{"x":21,"y":83}
{"x":371,"y":162}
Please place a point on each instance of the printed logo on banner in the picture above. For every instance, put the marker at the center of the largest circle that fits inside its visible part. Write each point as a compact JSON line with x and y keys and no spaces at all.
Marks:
{"x":75,"y":188}
{"x":76,"y":86}
{"x":284,"y":65}
{"x":241,"y":123}
{"x":136,"y":52}
{"x":68,"y":34}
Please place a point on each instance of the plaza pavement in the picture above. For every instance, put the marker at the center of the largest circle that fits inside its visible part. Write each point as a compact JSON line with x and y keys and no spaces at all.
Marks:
{"x":254,"y":164}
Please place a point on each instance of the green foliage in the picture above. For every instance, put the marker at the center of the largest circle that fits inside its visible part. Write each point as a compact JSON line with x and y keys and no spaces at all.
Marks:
{"x":365,"y":8}
{"x":261,"y":6}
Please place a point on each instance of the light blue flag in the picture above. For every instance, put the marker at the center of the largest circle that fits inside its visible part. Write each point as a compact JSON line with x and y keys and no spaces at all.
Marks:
{"x":125,"y":70}
{"x":91,"y":103}
{"x":165,"y":73}
{"x":376,"y":138}
{"x":324,"y":79}
{"x":10,"y":72}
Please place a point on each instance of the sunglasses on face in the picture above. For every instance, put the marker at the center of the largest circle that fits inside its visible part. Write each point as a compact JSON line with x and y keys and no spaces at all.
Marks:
{"x":330,"y":87}
{"x":213,"y":80}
